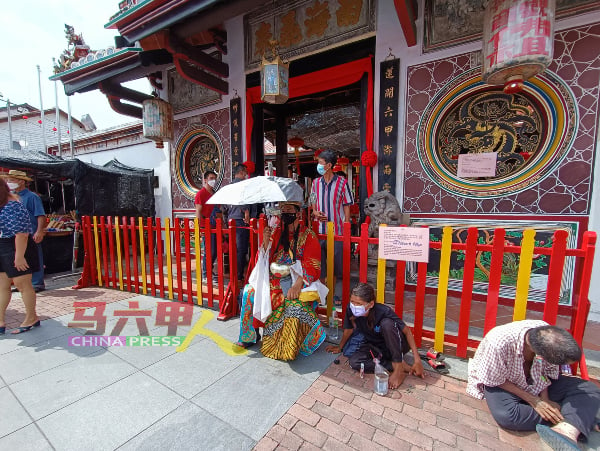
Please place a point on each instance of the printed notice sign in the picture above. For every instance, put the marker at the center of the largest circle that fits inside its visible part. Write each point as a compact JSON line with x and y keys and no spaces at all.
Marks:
{"x":477,"y":164}
{"x":404,"y":243}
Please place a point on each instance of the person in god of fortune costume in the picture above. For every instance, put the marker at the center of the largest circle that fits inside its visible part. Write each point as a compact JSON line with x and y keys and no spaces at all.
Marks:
{"x":284,"y":290}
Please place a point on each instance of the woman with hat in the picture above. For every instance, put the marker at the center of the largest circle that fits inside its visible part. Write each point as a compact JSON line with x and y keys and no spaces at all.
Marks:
{"x":287,"y":273}
{"x":18,"y":258}
{"x":17,"y":182}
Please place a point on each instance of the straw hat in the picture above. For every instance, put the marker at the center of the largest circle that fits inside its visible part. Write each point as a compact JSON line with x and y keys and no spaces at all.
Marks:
{"x":15,"y":174}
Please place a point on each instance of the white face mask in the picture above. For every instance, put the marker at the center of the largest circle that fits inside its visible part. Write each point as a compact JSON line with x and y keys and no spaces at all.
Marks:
{"x":12,"y":186}
{"x":358,"y":310}
{"x":212,"y":183}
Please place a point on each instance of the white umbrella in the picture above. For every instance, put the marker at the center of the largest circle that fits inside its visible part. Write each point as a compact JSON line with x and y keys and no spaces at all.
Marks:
{"x":258,"y":190}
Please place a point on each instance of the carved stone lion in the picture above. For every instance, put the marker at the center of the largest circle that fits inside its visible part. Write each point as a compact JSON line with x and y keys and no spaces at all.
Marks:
{"x":383,"y":208}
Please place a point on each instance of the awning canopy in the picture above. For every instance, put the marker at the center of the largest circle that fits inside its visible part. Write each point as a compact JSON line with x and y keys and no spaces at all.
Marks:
{"x":114,"y":189}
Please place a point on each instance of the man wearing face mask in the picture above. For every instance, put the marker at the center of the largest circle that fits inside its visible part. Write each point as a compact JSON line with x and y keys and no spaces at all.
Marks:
{"x":17,"y":183}
{"x":385,"y":336}
{"x":205,"y":210}
{"x":332,"y":199}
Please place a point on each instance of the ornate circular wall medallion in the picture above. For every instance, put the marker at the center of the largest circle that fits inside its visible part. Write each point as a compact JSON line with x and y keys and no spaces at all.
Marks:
{"x":198,"y":150}
{"x":530,"y":131}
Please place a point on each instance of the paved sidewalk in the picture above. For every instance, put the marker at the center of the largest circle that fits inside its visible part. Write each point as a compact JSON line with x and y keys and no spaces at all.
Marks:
{"x":340,"y":412}
{"x":214,"y":396}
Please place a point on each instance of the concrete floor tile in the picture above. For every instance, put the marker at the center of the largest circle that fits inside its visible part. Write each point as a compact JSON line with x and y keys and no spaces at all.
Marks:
{"x":14,"y":415}
{"x":195,"y":369}
{"x":111,"y":416}
{"x":253,"y":397}
{"x":190,"y":428}
{"x":48,"y":330}
{"x":26,"y":438}
{"x":41,"y":356}
{"x":54,"y":389}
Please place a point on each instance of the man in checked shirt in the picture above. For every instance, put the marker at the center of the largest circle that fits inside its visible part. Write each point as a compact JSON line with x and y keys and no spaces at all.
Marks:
{"x":516,"y":368}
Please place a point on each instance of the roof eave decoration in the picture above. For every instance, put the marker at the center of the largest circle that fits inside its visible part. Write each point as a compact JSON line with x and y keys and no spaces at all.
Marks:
{"x":150,"y":16}
{"x":98,"y":60}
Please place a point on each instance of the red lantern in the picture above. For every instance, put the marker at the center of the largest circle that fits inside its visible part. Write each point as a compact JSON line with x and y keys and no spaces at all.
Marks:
{"x":337,"y":167}
{"x":40,"y":121}
{"x":356,"y":164}
{"x":296,"y":142}
{"x":317,"y":153}
{"x":518,"y":41}
{"x":343,"y":161}
{"x":25,"y":117}
{"x":54,"y":129}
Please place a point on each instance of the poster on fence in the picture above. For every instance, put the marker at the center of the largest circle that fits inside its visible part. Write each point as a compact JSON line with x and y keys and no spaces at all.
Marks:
{"x":409,"y":244}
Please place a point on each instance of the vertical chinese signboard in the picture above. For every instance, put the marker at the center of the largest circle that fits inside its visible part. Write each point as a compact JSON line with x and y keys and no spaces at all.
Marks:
{"x":235,"y":115}
{"x":388,"y":124}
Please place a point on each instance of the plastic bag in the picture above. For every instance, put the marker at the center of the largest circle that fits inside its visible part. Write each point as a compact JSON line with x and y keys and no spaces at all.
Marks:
{"x":259,"y":280}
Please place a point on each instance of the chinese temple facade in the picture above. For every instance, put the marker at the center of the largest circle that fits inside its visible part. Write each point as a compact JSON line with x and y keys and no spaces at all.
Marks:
{"x":395,"y":87}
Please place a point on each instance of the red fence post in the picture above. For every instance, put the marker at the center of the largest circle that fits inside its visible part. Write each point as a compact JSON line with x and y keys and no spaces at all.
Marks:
{"x":127,"y":259}
{"x":132,"y":230}
{"x":188,"y":260}
{"x":208,"y":250}
{"x":346,"y":256}
{"x":495,"y":278}
{"x":159,"y":255}
{"x":364,"y":252}
{"x":220,"y":265}
{"x":177,"y":243}
{"x":555,"y":274}
{"x":467,"y":292}
{"x":87,"y":277}
{"x":111,"y":246}
{"x":420,"y":302}
{"x":150,"y":242}
{"x":104,"y":251}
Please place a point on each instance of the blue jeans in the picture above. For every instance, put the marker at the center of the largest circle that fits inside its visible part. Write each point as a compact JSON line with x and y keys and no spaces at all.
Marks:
{"x":213,"y":253}
{"x":242,"y":237}
{"x":37,"y":278}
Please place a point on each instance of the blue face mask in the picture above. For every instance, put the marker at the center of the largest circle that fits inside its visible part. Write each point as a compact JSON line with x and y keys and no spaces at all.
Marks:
{"x":321,"y":169}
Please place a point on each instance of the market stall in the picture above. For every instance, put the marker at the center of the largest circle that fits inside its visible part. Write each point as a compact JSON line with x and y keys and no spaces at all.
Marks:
{"x":70,"y":189}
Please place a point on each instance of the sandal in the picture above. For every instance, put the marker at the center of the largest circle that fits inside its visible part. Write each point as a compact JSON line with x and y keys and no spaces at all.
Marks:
{"x":244,"y":345}
{"x":554,"y":439}
{"x":433,"y":354}
{"x":440,"y":367}
{"x":22,"y":329}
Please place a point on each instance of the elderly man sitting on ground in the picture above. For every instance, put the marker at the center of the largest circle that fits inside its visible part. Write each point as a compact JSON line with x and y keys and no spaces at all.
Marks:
{"x":516,"y":368}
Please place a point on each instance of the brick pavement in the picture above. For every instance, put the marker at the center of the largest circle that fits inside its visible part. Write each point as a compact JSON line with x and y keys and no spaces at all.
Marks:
{"x":341,"y":412}
{"x":57,"y":302}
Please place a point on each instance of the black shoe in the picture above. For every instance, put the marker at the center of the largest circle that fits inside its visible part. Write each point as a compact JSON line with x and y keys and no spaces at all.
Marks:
{"x":14,"y":290}
{"x":38,"y":289}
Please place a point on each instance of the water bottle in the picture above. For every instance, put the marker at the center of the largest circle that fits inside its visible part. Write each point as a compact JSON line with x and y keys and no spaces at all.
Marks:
{"x":381,"y":379}
{"x":333,"y":326}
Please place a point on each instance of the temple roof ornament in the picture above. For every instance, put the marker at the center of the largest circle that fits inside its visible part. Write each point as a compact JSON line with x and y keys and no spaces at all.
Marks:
{"x":76,"y":50}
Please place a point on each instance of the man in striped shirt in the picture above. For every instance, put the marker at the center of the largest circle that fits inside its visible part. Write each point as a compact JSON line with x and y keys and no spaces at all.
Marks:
{"x":331,"y":198}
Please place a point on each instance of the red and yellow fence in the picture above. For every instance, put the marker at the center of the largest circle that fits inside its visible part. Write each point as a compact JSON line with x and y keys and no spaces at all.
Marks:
{"x":150,"y":257}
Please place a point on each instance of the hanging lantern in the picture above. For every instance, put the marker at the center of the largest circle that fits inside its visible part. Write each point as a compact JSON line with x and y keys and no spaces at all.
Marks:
{"x":157,"y":117}
{"x":296,"y":143}
{"x":518,"y":41}
{"x":274,"y":78}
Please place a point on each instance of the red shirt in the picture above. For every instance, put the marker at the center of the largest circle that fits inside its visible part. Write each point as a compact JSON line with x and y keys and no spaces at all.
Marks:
{"x":201,"y":197}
